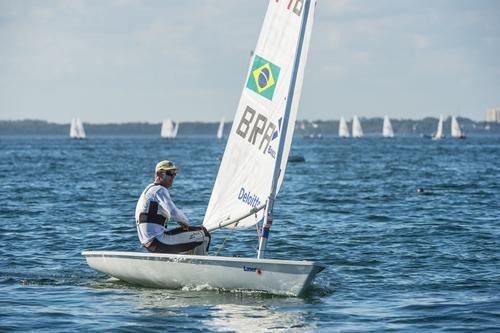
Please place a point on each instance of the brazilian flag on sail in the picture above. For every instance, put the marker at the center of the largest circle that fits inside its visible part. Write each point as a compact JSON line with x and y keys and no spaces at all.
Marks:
{"x":263,"y":77}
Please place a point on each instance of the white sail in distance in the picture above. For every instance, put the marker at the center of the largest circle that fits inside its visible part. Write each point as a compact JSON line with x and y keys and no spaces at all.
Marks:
{"x":80,"y":128}
{"x":343,"y":128}
{"x":76,"y":130}
{"x":176,"y":129}
{"x":387,"y":131}
{"x":439,"y":132}
{"x":72,"y":129}
{"x":220,"y":130}
{"x":167,"y":129}
{"x":357,"y":130}
{"x":245,"y":176}
{"x":456,"y":131}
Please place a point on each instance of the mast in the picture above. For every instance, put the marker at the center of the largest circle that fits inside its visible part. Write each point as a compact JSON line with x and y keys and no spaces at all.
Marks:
{"x":268,"y":216}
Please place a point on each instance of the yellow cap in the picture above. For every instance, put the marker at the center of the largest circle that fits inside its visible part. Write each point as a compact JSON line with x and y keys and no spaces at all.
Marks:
{"x":165,"y":166}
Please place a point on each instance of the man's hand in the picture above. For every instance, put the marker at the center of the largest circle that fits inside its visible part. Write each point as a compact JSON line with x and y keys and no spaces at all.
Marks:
{"x":184,"y":225}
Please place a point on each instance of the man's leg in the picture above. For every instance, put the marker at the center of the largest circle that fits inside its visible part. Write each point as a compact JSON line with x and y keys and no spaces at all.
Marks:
{"x":179,"y":240}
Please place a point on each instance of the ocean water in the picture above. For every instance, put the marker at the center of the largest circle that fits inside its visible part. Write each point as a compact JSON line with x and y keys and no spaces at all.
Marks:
{"x":396,"y":260}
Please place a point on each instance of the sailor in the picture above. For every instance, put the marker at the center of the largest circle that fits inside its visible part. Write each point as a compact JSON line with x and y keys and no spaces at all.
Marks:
{"x":155,"y":209}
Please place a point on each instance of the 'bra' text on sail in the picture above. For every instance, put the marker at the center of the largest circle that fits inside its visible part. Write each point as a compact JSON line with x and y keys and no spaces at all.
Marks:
{"x":259,"y":125}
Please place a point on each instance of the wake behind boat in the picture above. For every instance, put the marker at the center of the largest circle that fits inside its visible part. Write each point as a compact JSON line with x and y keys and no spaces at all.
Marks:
{"x":250,"y":174}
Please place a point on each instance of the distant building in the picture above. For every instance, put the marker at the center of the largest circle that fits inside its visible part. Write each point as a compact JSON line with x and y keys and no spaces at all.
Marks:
{"x":493,"y":115}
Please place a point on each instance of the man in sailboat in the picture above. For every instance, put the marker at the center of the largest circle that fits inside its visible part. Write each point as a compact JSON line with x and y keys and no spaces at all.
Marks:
{"x":155,"y":209}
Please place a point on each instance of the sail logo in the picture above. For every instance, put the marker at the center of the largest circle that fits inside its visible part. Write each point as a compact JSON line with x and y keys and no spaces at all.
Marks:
{"x":270,"y":149}
{"x":247,"y":197}
{"x":252,"y":269}
{"x":277,"y":132}
{"x":263,"y":77}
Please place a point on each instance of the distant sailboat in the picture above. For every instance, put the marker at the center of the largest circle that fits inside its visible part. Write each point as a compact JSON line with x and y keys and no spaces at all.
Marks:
{"x":167,"y":129}
{"x":357,"y":131}
{"x":387,"y":131}
{"x":456,"y":131}
{"x":343,"y":129}
{"x":76,"y":130}
{"x":176,"y":129}
{"x":439,"y":132}
{"x":220,"y":130}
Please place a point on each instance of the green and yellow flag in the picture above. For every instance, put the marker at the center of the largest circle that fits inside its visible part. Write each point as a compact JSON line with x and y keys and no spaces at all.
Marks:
{"x":263,"y":77}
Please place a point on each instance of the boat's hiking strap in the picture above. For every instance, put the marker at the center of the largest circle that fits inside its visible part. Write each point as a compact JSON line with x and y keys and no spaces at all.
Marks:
{"x":152,"y":215}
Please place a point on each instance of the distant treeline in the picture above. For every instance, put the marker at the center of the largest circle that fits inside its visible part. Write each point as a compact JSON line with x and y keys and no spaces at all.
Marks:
{"x":371,"y":126}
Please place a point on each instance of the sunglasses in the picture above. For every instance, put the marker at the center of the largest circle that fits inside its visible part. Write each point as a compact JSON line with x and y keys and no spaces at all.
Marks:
{"x":171,"y":174}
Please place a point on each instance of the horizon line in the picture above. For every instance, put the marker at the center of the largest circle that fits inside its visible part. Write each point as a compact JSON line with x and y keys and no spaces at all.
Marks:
{"x":217,"y":121}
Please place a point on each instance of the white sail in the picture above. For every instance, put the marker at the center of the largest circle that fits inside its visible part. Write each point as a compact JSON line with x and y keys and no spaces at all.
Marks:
{"x":220,"y":130}
{"x":456,"y":132}
{"x":176,"y":129}
{"x":72,"y":130}
{"x":343,"y":129}
{"x":357,"y":130}
{"x":76,"y":130}
{"x":167,"y":128}
{"x":80,"y":128}
{"x":439,"y":132}
{"x":266,"y":112}
{"x":387,"y":131}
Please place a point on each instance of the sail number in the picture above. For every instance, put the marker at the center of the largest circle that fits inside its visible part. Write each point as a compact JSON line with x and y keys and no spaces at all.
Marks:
{"x":256,"y":128}
{"x":297,"y":7}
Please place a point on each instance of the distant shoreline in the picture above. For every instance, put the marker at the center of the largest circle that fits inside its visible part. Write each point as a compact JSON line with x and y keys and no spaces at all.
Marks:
{"x":371,"y":127}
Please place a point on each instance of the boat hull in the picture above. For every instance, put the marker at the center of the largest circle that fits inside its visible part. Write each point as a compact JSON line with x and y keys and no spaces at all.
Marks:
{"x":174,"y":271}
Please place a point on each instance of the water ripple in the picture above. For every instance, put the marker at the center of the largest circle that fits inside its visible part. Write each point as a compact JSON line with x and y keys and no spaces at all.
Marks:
{"x":396,"y":259}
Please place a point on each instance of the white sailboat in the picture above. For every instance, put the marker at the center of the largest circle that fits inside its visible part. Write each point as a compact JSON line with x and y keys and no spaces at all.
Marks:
{"x":220,"y":130}
{"x":456,"y":131}
{"x":343,"y":129}
{"x":439,"y":132}
{"x":76,"y":130}
{"x":250,"y":174}
{"x":387,"y":131}
{"x":167,"y":129}
{"x":176,"y":129}
{"x":357,"y":130}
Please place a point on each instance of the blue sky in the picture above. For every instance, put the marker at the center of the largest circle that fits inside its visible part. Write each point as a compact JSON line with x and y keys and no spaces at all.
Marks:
{"x":130,"y":60}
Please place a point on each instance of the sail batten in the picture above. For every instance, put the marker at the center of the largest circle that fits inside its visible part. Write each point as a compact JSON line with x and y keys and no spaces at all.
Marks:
{"x":257,"y":149}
